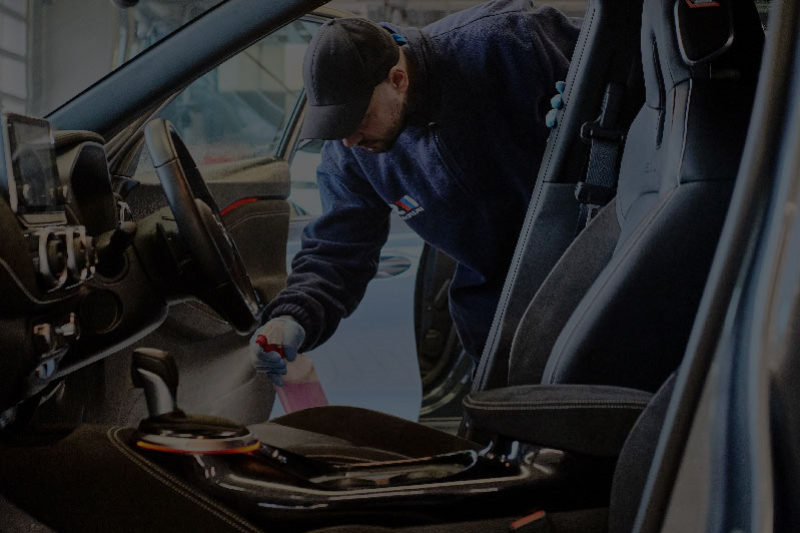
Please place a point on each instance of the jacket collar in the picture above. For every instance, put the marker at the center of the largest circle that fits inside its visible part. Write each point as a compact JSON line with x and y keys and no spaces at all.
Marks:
{"x":425,"y":95}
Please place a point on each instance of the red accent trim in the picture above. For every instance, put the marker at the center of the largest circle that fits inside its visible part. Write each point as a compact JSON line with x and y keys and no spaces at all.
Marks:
{"x":695,"y":6}
{"x":233,"y":451}
{"x":527,"y":520}
{"x":236,"y":204}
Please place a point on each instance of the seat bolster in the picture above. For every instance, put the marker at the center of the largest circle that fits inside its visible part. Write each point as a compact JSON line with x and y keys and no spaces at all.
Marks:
{"x":587,"y":419}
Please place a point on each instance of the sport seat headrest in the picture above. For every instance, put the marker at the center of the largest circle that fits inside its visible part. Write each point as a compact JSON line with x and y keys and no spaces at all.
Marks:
{"x":698,"y":39}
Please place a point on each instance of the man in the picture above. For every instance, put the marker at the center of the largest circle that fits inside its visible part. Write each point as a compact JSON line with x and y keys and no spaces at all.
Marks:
{"x":445,"y":125}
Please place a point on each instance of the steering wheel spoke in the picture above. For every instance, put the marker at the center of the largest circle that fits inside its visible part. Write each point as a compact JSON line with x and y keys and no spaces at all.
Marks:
{"x":222,"y":279}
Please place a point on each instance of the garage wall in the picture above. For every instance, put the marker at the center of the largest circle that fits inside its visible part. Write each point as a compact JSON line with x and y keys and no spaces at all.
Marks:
{"x":13,"y":55}
{"x":62,"y":53}
{"x":52,"y":49}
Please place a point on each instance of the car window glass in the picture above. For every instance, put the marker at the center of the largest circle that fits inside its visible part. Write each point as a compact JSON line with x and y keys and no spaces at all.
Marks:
{"x":240,"y":109}
{"x":52,"y":50}
{"x":304,"y":198}
{"x":763,"y":11}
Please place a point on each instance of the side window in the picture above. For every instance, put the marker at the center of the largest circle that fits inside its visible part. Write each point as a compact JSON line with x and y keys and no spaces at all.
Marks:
{"x":240,"y":109}
{"x":763,"y":11}
{"x":305,"y":190}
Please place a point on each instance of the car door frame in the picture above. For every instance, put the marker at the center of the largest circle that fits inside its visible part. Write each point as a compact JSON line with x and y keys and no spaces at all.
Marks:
{"x":720,"y":402}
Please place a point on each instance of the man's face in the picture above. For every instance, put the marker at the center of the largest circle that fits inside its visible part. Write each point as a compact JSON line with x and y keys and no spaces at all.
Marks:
{"x":384,"y":120}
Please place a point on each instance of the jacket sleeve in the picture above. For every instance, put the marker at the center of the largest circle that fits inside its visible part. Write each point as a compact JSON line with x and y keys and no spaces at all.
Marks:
{"x":340,"y":249}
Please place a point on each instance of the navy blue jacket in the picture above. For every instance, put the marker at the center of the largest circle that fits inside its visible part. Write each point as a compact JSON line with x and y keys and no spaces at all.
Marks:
{"x":460,"y":174}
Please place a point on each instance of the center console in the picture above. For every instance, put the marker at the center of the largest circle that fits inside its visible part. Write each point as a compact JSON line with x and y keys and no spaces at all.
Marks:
{"x":268,"y":484}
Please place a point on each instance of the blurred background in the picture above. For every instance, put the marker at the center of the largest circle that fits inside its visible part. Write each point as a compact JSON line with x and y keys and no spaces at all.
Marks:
{"x":52,"y":49}
{"x":38,"y":72}
{"x":422,"y":12}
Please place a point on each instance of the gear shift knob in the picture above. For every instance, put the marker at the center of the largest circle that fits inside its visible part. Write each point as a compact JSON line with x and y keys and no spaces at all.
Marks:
{"x":170,"y":430}
{"x":155,"y":372}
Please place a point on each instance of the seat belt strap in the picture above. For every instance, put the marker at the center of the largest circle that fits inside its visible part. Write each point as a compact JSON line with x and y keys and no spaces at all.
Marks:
{"x":600,"y":184}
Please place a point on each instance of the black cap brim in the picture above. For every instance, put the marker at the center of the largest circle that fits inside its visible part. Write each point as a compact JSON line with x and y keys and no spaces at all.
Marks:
{"x":331,"y":122}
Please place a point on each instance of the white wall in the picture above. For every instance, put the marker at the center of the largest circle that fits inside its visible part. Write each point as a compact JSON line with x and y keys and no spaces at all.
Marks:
{"x":13,"y":55}
{"x":67,"y":60}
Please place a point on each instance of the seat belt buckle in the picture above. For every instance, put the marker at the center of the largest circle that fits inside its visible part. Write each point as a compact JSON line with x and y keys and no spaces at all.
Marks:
{"x":593,"y":195}
{"x":592,"y":130}
{"x":602,"y":127}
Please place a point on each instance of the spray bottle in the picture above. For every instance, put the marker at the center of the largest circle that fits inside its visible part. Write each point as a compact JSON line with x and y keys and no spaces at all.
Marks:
{"x":301,"y":386}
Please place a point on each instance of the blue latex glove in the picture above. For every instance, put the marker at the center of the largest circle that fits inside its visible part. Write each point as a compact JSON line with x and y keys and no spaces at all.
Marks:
{"x":283,"y":331}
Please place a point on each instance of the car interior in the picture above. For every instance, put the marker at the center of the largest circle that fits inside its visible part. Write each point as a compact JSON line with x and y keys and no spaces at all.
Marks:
{"x":571,"y":392}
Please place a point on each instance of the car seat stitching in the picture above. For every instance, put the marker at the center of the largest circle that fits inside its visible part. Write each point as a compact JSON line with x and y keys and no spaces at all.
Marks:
{"x":528,"y":226}
{"x":346,"y":457}
{"x":557,"y":403}
{"x":181,"y":488}
{"x":558,"y":406}
{"x":685,"y":131}
{"x":665,"y":3}
{"x":570,"y":82}
{"x":580,"y":55}
{"x":633,"y":245}
{"x":562,"y":408}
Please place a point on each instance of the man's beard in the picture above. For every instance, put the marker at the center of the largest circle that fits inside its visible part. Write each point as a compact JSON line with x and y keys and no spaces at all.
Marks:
{"x":385,"y":143}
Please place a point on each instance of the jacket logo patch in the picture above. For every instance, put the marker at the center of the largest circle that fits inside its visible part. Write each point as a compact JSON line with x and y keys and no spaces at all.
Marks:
{"x":408,"y":207}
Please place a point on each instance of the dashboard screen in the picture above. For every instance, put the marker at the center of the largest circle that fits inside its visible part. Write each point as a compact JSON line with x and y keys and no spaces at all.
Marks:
{"x":33,"y":161}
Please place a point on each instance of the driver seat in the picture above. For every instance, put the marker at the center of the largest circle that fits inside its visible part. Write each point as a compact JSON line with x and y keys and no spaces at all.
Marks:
{"x":629,"y":325}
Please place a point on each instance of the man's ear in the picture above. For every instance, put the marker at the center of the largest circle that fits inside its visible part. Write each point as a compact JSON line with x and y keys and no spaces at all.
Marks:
{"x":398,"y":78}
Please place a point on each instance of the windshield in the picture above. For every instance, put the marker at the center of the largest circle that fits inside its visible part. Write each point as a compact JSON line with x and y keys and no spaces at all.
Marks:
{"x":51,"y":51}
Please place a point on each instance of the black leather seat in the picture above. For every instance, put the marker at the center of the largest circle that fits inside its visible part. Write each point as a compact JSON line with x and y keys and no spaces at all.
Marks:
{"x":677,"y":173}
{"x":618,"y":307}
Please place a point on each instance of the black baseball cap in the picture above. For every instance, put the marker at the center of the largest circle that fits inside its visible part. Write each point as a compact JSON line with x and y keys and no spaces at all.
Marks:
{"x":345,"y":61}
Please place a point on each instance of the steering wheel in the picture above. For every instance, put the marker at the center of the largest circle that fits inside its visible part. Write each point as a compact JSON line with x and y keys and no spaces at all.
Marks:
{"x":223,"y":281}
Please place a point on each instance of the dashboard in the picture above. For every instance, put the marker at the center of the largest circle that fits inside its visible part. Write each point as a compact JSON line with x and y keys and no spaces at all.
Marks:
{"x":64,"y":261}
{"x":61,"y":253}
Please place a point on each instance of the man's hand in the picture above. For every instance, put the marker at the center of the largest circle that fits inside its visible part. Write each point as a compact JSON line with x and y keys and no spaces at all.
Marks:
{"x":283,"y":332}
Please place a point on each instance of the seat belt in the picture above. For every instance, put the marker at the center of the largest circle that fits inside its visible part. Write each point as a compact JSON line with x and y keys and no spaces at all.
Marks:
{"x":600,"y":183}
